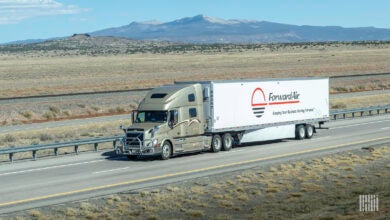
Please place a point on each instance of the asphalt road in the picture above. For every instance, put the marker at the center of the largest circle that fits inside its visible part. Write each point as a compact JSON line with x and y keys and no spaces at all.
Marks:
{"x":29,"y":184}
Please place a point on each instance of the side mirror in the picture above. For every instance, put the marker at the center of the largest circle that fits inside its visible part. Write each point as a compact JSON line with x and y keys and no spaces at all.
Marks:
{"x":132,"y":117}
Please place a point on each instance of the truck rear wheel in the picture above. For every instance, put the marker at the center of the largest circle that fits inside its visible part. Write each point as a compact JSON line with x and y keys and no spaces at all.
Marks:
{"x":300,"y":132}
{"x":216,"y":143}
{"x":166,"y":151}
{"x":227,"y":141}
{"x":309,"y":130}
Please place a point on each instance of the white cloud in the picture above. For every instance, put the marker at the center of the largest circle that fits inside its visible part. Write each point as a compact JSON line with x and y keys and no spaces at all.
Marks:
{"x":14,"y":11}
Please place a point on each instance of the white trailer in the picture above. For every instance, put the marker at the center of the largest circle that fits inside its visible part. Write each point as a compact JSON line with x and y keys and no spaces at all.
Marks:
{"x":266,"y":109}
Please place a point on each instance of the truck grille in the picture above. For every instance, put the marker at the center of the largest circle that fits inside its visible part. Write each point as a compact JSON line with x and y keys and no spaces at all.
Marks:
{"x":134,"y":139}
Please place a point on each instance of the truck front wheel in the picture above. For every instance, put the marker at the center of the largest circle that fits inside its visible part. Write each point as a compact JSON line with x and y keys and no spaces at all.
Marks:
{"x":216,"y":143}
{"x":227,"y":141}
{"x":166,"y":151}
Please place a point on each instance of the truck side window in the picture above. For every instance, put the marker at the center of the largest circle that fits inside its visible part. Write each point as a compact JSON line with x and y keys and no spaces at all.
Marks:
{"x":173,"y":117}
{"x":192,"y":112}
{"x":191,"y":97}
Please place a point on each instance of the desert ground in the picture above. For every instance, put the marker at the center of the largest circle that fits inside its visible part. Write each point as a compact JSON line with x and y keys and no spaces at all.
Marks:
{"x":38,"y":73}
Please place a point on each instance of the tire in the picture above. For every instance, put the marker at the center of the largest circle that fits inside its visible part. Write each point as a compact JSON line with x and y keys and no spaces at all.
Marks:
{"x":216,"y":143}
{"x":300,"y":132}
{"x":227,"y":142}
{"x":166,"y":151}
{"x":309,"y":130}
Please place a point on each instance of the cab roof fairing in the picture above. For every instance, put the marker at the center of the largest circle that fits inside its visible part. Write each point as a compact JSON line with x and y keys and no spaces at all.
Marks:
{"x":174,"y":97}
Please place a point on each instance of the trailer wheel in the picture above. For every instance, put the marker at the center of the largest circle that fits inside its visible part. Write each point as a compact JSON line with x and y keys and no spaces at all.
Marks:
{"x":300,"y":132}
{"x":309,"y":130}
{"x":227,"y":141}
{"x":166,"y":151}
{"x":216,"y":143}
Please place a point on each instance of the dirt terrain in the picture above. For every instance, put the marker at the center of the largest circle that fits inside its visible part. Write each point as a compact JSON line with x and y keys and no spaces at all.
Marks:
{"x":38,"y":72}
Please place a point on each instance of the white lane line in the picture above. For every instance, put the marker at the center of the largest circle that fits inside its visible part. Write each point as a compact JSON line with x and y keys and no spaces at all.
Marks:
{"x":113,"y":170}
{"x":48,"y":168}
{"x":233,"y":151}
{"x":347,"y":126}
{"x":386,"y":128}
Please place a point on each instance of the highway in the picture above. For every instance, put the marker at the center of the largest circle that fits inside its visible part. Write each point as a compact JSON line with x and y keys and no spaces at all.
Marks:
{"x":29,"y":184}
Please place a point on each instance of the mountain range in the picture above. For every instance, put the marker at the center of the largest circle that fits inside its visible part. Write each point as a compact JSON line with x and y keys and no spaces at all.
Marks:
{"x":203,"y":29}
{"x":206,"y":29}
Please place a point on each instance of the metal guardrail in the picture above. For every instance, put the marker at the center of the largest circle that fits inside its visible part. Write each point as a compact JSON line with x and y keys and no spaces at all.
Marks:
{"x":56,"y":146}
{"x":352,"y":113}
{"x":340,"y":114}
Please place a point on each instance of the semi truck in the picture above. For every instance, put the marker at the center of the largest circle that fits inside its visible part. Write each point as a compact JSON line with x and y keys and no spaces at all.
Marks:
{"x":216,"y":115}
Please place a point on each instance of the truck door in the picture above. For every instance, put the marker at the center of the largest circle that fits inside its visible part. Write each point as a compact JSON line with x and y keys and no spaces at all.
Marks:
{"x":194,"y":130}
{"x":176,"y":133}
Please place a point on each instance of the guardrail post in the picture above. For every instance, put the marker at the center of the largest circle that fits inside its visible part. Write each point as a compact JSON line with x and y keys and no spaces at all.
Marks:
{"x":335,"y":117}
{"x":96,"y":147}
{"x":370,"y":112}
{"x":76,"y":149}
{"x":11,"y":157}
{"x":344,"y":115}
{"x":34,"y":154}
{"x":353,"y":114}
{"x":55,"y":151}
{"x":114,"y":144}
{"x":377,"y":111}
{"x":361,"y":114}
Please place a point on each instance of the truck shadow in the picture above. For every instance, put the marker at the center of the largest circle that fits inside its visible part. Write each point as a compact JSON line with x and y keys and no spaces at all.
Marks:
{"x":111,"y":155}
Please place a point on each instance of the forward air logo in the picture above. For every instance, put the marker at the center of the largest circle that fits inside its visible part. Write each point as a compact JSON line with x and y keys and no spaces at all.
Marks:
{"x":259,"y":101}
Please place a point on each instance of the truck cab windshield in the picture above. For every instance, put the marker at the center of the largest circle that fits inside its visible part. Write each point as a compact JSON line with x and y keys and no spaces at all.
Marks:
{"x":151,"y":116}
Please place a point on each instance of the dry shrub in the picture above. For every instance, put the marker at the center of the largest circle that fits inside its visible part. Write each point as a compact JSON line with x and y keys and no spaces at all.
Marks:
{"x":339,"y":105}
{"x":36,"y":214}
{"x":218,"y":196}
{"x":226,"y":203}
{"x":46,"y":137}
{"x":49,"y":115}
{"x":70,"y":212}
{"x":311,"y":187}
{"x":67,"y":113}
{"x":95,"y":108}
{"x":195,"y":213}
{"x":198,"y":190}
{"x":243,"y":197}
{"x":54,"y":109}
{"x":9,"y":138}
{"x":27,"y":114}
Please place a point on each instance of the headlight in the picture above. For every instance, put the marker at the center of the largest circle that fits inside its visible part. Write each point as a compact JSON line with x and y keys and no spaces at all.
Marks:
{"x":155,"y":143}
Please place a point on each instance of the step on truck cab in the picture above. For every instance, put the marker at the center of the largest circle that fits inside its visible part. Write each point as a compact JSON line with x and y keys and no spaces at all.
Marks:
{"x":215,"y":115}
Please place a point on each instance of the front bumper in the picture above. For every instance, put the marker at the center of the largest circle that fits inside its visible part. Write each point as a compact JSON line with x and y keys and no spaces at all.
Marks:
{"x":140,"y":149}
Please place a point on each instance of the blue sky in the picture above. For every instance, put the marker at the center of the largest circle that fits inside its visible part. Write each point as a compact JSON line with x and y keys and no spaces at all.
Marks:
{"x":35,"y":19}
